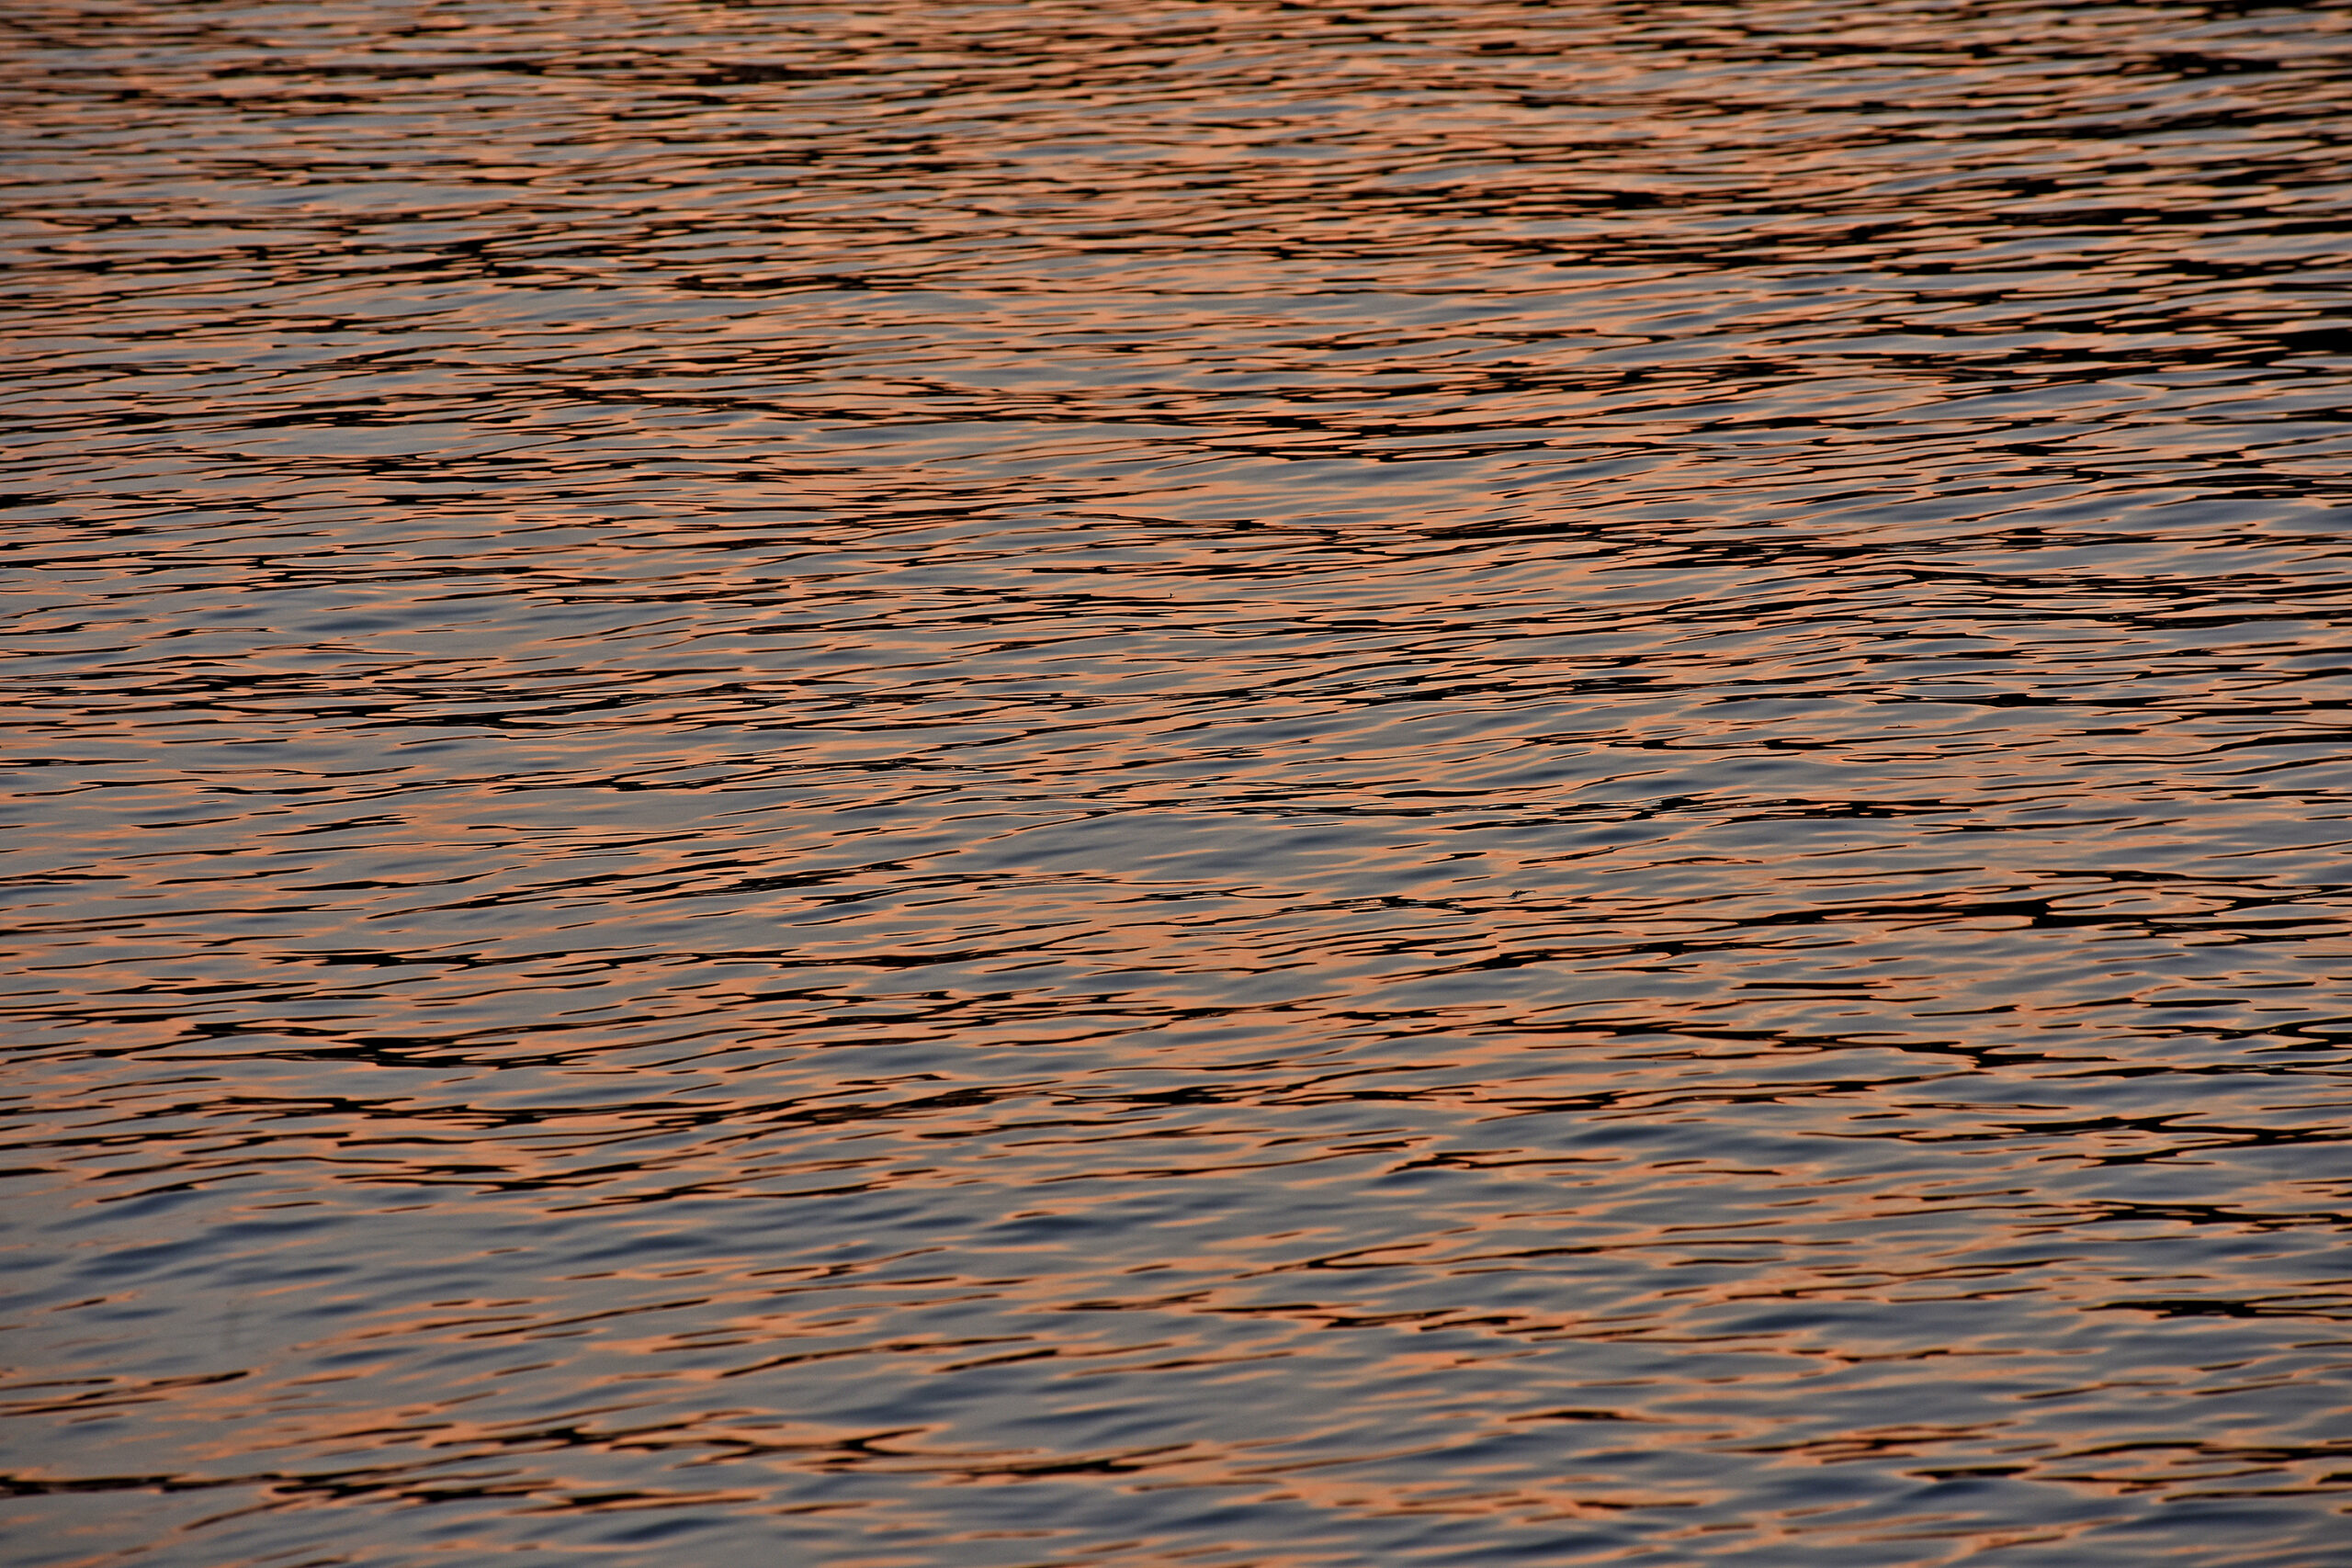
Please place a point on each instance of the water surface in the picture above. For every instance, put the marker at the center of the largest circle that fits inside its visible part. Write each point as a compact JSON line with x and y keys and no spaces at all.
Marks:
{"x":1232,"y":785}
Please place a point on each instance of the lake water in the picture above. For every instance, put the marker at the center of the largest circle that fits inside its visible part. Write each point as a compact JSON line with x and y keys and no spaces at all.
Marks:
{"x":1226,"y":786}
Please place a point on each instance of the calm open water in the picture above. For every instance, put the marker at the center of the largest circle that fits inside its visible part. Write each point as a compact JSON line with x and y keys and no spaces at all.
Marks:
{"x":1232,"y":785}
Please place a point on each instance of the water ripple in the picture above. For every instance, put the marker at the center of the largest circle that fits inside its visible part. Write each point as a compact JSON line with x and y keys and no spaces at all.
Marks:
{"x":1256,"y":784}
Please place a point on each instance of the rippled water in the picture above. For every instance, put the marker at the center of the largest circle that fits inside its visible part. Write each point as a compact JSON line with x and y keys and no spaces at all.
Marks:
{"x":1242,"y":785}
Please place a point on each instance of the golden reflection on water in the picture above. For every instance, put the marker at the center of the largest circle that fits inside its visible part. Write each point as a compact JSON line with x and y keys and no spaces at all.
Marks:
{"x":1254,"y":784}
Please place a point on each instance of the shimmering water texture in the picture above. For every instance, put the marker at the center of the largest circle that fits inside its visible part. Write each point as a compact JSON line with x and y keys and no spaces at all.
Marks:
{"x":1237,"y":785}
